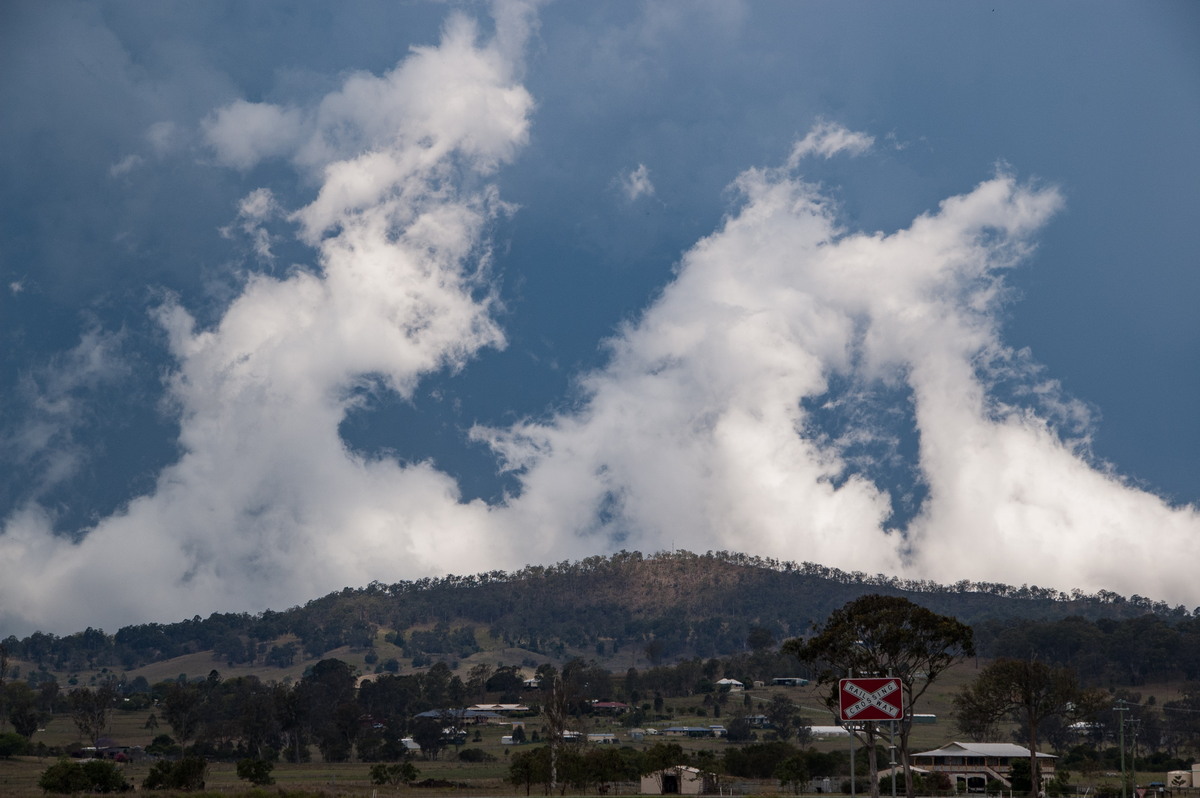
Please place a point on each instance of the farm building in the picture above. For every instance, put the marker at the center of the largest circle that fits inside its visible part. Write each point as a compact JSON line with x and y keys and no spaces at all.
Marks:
{"x":679,"y":780}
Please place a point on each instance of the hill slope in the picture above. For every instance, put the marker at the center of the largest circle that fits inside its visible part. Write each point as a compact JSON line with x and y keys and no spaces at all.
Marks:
{"x":661,"y":608}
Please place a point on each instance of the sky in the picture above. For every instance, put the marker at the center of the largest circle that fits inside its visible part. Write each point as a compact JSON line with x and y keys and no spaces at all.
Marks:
{"x":302,"y":296}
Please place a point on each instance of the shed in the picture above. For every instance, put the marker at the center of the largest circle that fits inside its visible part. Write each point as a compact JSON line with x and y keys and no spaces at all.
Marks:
{"x":679,"y":780}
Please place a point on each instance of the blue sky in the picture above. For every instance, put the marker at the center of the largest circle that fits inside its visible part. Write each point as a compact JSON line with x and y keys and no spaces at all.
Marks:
{"x":303,"y":296}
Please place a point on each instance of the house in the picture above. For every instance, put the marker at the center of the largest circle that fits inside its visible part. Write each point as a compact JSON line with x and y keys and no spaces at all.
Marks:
{"x":688,"y":731}
{"x":107,"y":748}
{"x":497,"y":708}
{"x":732,"y":685}
{"x":603,"y":738}
{"x":462,"y":716}
{"x":789,"y":681}
{"x":679,"y":780}
{"x":972,"y":765}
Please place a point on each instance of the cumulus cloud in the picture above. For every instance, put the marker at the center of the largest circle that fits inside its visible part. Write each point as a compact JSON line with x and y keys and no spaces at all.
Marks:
{"x":695,"y":432}
{"x":454,"y":98}
{"x":266,"y":505}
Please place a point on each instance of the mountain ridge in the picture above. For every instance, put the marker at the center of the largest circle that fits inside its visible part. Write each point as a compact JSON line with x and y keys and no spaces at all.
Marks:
{"x":665,"y":607}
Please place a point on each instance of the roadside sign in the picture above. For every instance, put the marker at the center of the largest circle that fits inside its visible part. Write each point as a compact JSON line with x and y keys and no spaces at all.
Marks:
{"x":871,"y":699}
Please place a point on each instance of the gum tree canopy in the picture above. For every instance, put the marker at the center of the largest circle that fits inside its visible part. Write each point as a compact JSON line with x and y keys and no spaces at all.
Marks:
{"x":878,"y":635}
{"x":1028,"y":692}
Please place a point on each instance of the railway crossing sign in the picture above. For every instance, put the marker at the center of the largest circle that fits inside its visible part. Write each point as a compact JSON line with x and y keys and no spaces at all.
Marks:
{"x":871,"y":699}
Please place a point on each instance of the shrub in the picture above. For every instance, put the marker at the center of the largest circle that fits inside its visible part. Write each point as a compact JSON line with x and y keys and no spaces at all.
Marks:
{"x":256,"y":771}
{"x":163,"y":745}
{"x":475,"y":755}
{"x":401,"y":773}
{"x":95,"y":775}
{"x":186,"y":774}
{"x":12,"y":744}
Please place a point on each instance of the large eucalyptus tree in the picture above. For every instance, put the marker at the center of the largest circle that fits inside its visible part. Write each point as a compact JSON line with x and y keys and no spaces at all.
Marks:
{"x":877,"y":635}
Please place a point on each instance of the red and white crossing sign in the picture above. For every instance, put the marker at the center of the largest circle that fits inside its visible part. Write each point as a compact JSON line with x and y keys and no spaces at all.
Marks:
{"x":871,"y":699}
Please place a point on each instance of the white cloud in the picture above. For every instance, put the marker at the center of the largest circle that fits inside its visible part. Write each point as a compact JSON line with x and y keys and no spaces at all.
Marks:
{"x":125,"y":165}
{"x":636,"y":183}
{"x":375,"y":131}
{"x":163,"y":137}
{"x":54,"y":398}
{"x":693,"y":435}
{"x":254,"y":211}
{"x":244,"y":133}
{"x":266,"y":506}
{"x":827,"y":139}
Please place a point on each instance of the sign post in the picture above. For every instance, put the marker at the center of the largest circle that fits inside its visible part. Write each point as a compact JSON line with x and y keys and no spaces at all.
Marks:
{"x":866,"y":700}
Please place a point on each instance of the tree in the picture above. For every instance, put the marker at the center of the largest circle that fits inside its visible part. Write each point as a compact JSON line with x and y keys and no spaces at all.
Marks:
{"x":604,"y":764}
{"x":527,"y":768}
{"x":556,"y":723}
{"x":760,"y":638}
{"x":22,"y":706}
{"x":885,"y":636}
{"x":429,"y":733}
{"x":327,"y":694}
{"x":1183,"y":717}
{"x":181,"y":709}
{"x":477,"y":680}
{"x":90,"y":710}
{"x":507,"y":681}
{"x":793,"y":772}
{"x":1028,"y":692}
{"x":782,"y":714}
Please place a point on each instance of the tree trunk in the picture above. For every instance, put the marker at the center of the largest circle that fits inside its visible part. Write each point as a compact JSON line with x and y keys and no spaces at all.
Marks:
{"x":905,"y":760}
{"x":872,"y":760}
{"x":1035,"y":771}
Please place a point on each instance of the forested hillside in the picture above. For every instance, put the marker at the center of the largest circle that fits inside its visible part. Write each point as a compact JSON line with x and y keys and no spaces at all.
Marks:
{"x":662,"y":608}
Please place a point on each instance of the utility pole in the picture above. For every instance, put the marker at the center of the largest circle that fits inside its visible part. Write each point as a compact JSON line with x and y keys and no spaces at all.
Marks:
{"x":892,"y":751}
{"x":1122,"y":708}
{"x":1134,"y":727}
{"x":892,"y":746}
{"x":850,"y":674}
